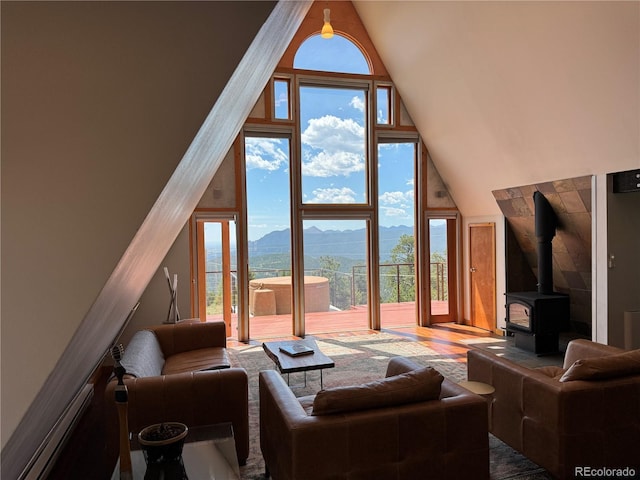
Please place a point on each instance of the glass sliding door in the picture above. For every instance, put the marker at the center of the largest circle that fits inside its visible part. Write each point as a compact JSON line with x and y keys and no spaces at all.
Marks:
{"x":396,"y":233}
{"x":217,"y":267}
{"x":442,"y":268}
{"x":438,"y":266}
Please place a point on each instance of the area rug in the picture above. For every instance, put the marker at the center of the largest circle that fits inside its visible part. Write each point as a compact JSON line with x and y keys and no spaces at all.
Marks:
{"x":359,"y":359}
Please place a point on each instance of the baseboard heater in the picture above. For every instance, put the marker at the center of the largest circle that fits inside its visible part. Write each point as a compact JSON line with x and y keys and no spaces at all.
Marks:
{"x":45,"y":457}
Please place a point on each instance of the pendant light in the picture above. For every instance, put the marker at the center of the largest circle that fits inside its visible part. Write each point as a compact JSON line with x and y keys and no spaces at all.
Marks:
{"x":327,"y":29}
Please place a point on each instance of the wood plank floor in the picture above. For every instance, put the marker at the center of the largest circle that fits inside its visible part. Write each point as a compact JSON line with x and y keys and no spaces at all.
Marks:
{"x":86,"y":455}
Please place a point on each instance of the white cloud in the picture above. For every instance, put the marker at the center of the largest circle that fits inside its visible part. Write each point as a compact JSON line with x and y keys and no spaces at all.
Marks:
{"x":333,"y":134}
{"x":265,"y":154}
{"x":397,"y":204}
{"x":404,"y":199}
{"x":337,"y":147}
{"x":392,"y":198}
{"x":326,"y":164}
{"x":281,"y":99}
{"x":357,"y":103}
{"x":333,"y":195}
{"x":395,"y":212}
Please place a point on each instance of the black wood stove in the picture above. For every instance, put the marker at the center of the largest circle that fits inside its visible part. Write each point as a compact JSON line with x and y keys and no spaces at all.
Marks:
{"x":535,"y":319}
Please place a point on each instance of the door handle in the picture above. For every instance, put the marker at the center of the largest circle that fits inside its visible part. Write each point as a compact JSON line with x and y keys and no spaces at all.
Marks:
{"x":472,"y":269}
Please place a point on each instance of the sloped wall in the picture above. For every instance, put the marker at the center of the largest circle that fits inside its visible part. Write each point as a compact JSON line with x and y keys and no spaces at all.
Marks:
{"x":100,"y":101}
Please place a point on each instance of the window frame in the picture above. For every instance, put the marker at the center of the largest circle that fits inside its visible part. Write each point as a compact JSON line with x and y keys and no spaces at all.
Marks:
{"x":304,"y":80}
{"x":288,"y":78}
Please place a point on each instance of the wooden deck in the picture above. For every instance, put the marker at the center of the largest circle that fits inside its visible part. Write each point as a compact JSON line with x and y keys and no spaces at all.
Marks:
{"x":393,"y":315}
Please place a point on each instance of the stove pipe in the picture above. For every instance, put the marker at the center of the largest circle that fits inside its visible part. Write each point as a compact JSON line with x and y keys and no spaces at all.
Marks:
{"x":546,"y":223}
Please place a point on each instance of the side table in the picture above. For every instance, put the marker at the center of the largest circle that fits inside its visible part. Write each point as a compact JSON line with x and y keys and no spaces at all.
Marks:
{"x":477,"y":387}
{"x":209,"y":453}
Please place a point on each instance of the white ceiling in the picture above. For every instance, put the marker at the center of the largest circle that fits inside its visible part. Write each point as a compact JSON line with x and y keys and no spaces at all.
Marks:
{"x":513,"y":93}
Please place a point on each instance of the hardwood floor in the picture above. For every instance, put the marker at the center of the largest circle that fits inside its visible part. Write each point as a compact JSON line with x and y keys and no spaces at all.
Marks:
{"x":86,"y":455}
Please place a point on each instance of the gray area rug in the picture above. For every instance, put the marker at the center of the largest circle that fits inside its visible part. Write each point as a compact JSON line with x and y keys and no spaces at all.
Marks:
{"x":359,"y":359}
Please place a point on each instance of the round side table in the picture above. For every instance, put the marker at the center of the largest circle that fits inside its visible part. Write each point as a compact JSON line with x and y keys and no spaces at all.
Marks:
{"x":477,"y":387}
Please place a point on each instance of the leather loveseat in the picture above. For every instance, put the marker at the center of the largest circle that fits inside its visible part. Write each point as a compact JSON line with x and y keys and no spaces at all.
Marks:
{"x":412,"y":424}
{"x":583,"y":415}
{"x":181,"y":372}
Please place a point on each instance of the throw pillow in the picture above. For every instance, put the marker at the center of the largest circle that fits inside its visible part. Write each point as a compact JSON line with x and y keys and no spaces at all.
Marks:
{"x":415,"y":386}
{"x":602,"y":368}
{"x":143,"y":357}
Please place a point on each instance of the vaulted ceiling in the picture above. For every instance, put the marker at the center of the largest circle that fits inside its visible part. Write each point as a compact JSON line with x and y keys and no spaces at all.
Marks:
{"x":513,"y":93}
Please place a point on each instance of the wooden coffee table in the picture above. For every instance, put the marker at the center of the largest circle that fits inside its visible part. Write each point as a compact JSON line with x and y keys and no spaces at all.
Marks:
{"x":302,"y":363}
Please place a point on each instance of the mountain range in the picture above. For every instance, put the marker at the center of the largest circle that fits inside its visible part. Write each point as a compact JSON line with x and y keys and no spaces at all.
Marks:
{"x":341,"y":243}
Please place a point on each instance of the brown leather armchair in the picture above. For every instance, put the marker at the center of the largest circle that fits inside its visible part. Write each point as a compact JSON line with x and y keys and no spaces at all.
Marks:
{"x":583,"y":414}
{"x":181,"y":373}
{"x":362,"y":432}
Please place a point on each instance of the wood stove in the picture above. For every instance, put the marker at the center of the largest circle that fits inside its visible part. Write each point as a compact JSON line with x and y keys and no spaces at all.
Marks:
{"x":535,"y":319}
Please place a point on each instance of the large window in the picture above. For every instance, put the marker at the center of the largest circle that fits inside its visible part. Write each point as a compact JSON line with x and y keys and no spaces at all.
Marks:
{"x":331,"y":213}
{"x":333,"y":134}
{"x":328,"y":235}
{"x":330,"y":174}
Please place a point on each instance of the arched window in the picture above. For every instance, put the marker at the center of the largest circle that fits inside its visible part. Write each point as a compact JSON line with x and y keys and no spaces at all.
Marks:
{"x":337,"y":54}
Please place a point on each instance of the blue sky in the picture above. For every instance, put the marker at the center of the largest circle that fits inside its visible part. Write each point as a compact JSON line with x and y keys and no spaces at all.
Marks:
{"x":333,"y":151}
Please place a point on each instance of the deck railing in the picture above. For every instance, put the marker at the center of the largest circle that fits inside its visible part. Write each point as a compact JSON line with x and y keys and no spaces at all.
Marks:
{"x":346,"y":289}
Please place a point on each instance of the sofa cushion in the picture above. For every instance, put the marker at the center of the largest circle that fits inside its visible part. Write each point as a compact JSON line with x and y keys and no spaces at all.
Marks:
{"x":212,"y":358}
{"x":415,"y":386}
{"x":602,"y":368}
{"x":143,"y":357}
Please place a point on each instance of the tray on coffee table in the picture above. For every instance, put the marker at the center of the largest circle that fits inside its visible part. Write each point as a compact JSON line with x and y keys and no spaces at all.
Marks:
{"x":287,"y":363}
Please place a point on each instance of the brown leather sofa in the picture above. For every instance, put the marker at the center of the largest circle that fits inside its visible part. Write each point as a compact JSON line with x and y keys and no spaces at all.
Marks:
{"x":181,"y":372}
{"x":411,"y":425}
{"x":585,"y":414}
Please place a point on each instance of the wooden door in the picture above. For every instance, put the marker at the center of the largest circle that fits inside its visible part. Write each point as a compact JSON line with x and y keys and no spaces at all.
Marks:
{"x":482,"y":275}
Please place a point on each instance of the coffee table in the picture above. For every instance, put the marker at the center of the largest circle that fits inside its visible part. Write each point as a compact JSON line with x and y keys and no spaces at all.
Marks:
{"x":209,"y":453}
{"x":302,"y":363}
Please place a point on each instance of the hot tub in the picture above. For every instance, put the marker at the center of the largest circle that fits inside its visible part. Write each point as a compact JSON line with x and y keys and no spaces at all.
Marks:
{"x":316,"y":295}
